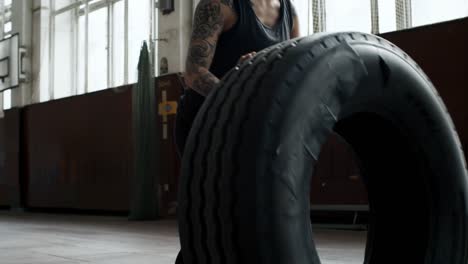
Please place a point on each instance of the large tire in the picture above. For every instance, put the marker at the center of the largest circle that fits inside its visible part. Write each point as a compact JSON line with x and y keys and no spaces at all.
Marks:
{"x":244,"y":193}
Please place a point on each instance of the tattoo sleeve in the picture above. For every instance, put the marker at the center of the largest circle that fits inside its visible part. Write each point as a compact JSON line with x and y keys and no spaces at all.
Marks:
{"x":208,"y":25}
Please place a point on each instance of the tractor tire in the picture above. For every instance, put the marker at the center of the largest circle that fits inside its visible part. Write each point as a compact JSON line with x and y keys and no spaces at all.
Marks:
{"x":244,"y":191}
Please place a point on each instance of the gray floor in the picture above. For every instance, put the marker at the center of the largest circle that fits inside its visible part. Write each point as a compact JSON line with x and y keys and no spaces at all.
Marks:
{"x":51,"y":239}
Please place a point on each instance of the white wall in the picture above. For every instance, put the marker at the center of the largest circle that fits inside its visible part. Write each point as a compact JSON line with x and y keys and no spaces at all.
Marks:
{"x":175,"y":30}
{"x":22,"y":23}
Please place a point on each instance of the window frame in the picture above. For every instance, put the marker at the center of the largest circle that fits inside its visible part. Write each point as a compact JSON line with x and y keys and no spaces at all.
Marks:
{"x":84,"y":8}
{"x":5,"y":17}
{"x":318,"y":16}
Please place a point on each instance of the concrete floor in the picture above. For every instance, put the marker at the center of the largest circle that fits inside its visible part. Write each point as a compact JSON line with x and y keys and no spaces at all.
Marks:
{"x":27,"y":238}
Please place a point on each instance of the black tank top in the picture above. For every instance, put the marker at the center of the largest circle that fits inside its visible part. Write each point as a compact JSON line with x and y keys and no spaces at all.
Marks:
{"x":249,"y":34}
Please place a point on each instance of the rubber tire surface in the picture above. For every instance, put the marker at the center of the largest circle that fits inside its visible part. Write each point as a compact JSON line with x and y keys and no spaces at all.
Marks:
{"x":244,"y":192}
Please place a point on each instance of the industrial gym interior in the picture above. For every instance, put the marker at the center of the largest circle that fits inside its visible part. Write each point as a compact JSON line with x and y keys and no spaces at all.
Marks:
{"x":77,"y":77}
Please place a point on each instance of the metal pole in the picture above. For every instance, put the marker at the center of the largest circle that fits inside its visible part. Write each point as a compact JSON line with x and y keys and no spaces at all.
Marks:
{"x":375,"y":16}
{"x":409,"y":14}
{"x":309,"y":15}
{"x":320,"y":15}
{"x":86,"y":59}
{"x":74,"y":50}
{"x":110,"y":44}
{"x":404,"y":14}
{"x":151,"y":37}
{"x":126,"y":43}
{"x":316,"y":14}
{"x":399,"y":9}
{"x":323,"y":9}
{"x":2,"y":23}
{"x":156,"y":35}
{"x":51,"y":48}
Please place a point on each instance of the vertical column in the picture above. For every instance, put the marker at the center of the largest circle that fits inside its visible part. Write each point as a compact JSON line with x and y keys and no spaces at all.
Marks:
{"x":319,"y":11}
{"x":152,"y":36}
{"x":75,"y":47}
{"x":2,"y":22}
{"x":86,"y":54}
{"x":51,"y":83}
{"x":375,"y":16}
{"x":110,"y":44}
{"x":40,"y":51}
{"x":404,"y":14}
{"x":409,"y":13}
{"x":126,"y":42}
{"x":174,"y":35}
{"x":22,"y":23}
{"x":155,"y":24}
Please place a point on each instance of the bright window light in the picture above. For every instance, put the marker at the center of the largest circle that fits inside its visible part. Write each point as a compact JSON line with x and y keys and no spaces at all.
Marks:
{"x":63,"y":55}
{"x":349,"y":15}
{"x":97,"y":50}
{"x":7,"y":27}
{"x":59,"y":4}
{"x":81,"y":54}
{"x":303,"y":8}
{"x":7,"y":99}
{"x":434,"y":11}
{"x":138,"y":31}
{"x":387,"y":16}
{"x":118,"y":57}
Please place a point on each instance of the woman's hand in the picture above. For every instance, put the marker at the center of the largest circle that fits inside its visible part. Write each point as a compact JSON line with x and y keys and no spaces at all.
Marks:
{"x":246,"y":57}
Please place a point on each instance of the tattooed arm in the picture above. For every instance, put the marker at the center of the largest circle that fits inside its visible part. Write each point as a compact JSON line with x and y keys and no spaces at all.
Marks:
{"x":208,"y":25}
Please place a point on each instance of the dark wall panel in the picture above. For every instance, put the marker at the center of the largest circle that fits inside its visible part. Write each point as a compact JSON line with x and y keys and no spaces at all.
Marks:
{"x":336,"y":180}
{"x":442,"y":52}
{"x":4,"y":201}
{"x":79,"y":152}
{"x":15,"y":182}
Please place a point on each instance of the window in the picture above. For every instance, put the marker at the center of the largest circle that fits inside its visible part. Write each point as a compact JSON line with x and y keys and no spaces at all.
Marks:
{"x":377,"y":16}
{"x":63,"y":54}
{"x":82,"y":57}
{"x":96,"y":43}
{"x":7,"y":99}
{"x":387,"y":16}
{"x":336,"y":15}
{"x":7,"y":27}
{"x":59,"y":4}
{"x":5,"y":18}
{"x":348,"y":15}
{"x":97,"y":50}
{"x":433,"y":11}
{"x":138,"y":31}
{"x":118,"y":41}
{"x":304,"y":13}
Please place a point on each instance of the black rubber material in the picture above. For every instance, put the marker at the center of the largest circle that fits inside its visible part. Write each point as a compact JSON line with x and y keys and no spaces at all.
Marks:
{"x":244,"y":193}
